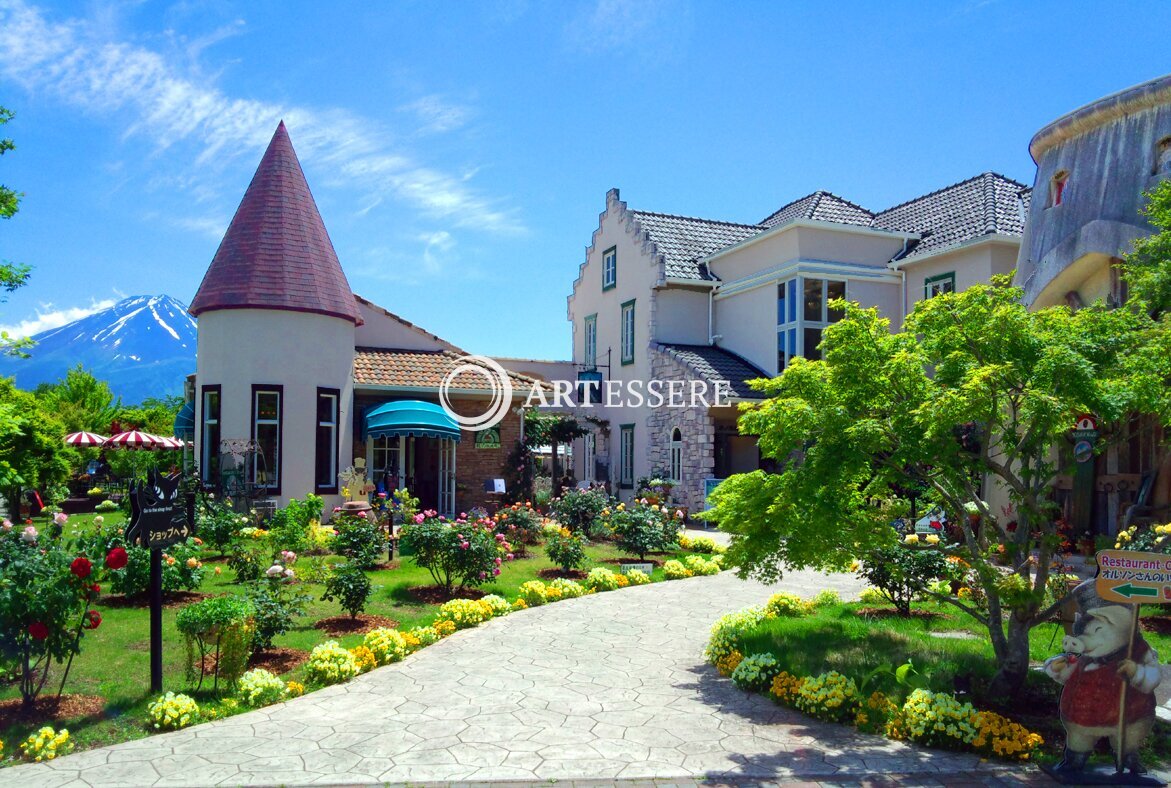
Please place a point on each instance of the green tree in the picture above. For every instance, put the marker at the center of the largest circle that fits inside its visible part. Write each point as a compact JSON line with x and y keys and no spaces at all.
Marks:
{"x":975,"y":387}
{"x":81,"y":401}
{"x":12,"y":275}
{"x":32,"y":453}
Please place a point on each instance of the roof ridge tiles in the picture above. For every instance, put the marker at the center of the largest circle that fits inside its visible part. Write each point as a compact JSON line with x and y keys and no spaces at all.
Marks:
{"x":690,"y":218}
{"x":963,"y":182}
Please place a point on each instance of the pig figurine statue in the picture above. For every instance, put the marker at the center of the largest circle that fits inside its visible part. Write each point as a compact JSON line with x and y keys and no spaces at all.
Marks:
{"x":1092,"y":671}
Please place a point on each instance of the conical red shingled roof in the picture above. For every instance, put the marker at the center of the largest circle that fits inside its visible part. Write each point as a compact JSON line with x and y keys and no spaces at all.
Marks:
{"x":276,"y":253}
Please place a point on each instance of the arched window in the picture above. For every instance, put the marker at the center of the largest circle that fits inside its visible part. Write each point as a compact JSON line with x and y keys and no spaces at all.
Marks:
{"x":676,"y":454}
{"x":1163,"y":157}
{"x":1057,"y":188}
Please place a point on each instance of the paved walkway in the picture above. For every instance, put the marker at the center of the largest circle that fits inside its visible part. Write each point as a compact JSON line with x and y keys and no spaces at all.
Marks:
{"x":602,"y":688}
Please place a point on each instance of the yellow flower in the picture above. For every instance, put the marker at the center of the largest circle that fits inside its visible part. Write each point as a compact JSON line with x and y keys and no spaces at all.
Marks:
{"x":911,"y":539}
{"x":931,"y":539}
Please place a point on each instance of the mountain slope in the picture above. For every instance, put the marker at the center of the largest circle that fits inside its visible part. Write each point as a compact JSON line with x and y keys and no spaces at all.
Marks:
{"x":143,"y":346}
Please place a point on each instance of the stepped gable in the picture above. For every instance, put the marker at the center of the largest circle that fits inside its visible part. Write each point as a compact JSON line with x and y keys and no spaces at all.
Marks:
{"x":276,"y":253}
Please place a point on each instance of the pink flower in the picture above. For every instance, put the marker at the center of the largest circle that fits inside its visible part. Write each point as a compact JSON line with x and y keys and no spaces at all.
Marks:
{"x":496,"y":571}
{"x":483,"y":575}
{"x":362,"y":515}
{"x":29,"y":534}
{"x":509,"y":556}
{"x":499,"y":537}
{"x":6,"y":525}
{"x":419,"y":518}
{"x":337,"y":508}
{"x":289,"y":556}
{"x":463,"y":545}
{"x":498,"y":560}
{"x":60,"y":518}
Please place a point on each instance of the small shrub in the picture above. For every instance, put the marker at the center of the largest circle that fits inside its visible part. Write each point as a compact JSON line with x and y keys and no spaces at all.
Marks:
{"x":939,"y":720}
{"x":642,"y":529}
{"x":221,"y":625}
{"x":250,"y":553}
{"x":902,"y":574}
{"x":533,"y":592}
{"x":675,"y":570}
{"x":520,"y":524}
{"x":387,"y":645}
{"x":827,"y":598}
{"x":462,"y":551}
{"x":872,"y":596}
{"x":420,"y":637}
{"x":172,"y":711}
{"x":728,"y":632}
{"x":831,"y":697}
{"x":601,"y":579}
{"x":259,"y":687}
{"x":350,"y":586}
{"x":728,"y":663}
{"x":569,"y":589}
{"x":290,"y":526}
{"x":46,"y":744}
{"x":444,"y":628}
{"x":700,"y":544}
{"x":464,"y":613}
{"x":786,"y":605}
{"x":566,"y":549}
{"x":580,"y":510}
{"x":365,"y":659}
{"x":106,"y":507}
{"x":359,"y":538}
{"x":785,"y":688}
{"x":699,"y":566}
{"x":755,"y":672}
{"x":329,"y":663}
{"x":216,"y":523}
{"x":637,"y":577}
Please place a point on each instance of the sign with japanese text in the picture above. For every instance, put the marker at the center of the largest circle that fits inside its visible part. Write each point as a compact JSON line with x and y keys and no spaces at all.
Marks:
{"x":158,"y":513}
{"x":1132,"y":577}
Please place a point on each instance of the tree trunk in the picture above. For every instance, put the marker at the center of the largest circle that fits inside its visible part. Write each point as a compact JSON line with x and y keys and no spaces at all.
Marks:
{"x":556,"y":488}
{"x":1014,"y":664}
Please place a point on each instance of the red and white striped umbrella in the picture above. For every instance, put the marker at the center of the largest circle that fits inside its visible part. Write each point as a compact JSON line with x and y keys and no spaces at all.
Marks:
{"x":134,"y":440}
{"x":84,"y":439}
{"x":171,"y":443}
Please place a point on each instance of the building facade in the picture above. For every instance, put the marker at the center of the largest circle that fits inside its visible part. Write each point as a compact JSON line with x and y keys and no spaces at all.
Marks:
{"x":299,"y":380}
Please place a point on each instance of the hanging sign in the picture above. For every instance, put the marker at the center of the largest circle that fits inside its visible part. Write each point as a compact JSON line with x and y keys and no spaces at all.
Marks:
{"x":1129,"y":577}
{"x":158,"y":513}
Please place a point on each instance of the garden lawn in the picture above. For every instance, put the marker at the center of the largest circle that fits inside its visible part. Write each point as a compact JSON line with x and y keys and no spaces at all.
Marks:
{"x":114,"y":662}
{"x":857,"y":640}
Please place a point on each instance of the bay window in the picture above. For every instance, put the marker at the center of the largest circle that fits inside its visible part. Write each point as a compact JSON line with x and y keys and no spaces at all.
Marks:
{"x":803,"y":312}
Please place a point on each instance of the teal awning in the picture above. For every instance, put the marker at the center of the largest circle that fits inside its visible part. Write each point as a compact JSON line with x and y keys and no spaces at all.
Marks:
{"x":410,"y":417}
{"x":185,"y":422}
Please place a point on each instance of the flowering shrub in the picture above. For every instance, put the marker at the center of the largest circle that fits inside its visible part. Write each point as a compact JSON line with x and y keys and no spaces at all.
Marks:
{"x":785,"y":688}
{"x":698,"y":566}
{"x":329,"y":663}
{"x":675,"y":570}
{"x":46,"y":744}
{"x":364,"y":658}
{"x":519,"y":604}
{"x":569,"y":589}
{"x":876,"y":714}
{"x":580,"y":511}
{"x":259,"y":687}
{"x":349,"y":585}
{"x":700,"y":544}
{"x":171,"y":712}
{"x":939,"y":720}
{"x":872,"y":596}
{"x":217,"y":523}
{"x":642,"y":529}
{"x":443,"y":628}
{"x":420,"y":637}
{"x":290,"y":526}
{"x":728,"y":631}
{"x":275,"y":602}
{"x":106,"y":506}
{"x":601,"y":579}
{"x":495,"y":605}
{"x":786,"y":605}
{"x":831,"y":697}
{"x":358,"y":537}
{"x":728,"y":663}
{"x":637,"y":577}
{"x":533,"y":593}
{"x":464,"y":613}
{"x":45,"y":596}
{"x":462,"y":551}
{"x":755,"y":672}
{"x":1000,"y":736}
{"x":520,"y":524}
{"x":566,"y":549}
{"x":826,"y":598}
{"x":249,"y":553}
{"x":387,"y":645}
{"x":295,"y":689}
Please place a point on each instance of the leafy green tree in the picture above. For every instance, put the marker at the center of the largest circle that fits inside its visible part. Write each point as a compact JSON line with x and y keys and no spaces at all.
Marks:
{"x":975,"y":387}
{"x":12,"y":275}
{"x":32,"y":453}
{"x":81,"y":401}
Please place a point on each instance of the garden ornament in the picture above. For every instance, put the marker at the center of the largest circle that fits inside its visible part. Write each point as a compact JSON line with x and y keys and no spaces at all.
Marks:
{"x":1108,"y":673}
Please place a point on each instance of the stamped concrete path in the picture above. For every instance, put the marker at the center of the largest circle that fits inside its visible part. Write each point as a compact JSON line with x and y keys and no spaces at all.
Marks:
{"x":604,"y":688}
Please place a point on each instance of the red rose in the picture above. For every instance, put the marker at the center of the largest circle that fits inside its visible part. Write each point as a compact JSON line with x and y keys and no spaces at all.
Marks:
{"x":81,"y":567}
{"x":97,"y":589}
{"x":116,"y":558}
{"x":93,"y":620}
{"x":38,"y":631}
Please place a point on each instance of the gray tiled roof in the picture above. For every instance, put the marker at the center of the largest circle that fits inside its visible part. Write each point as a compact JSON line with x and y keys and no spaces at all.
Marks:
{"x":715,"y":364}
{"x":823,"y":206}
{"x":683,"y":240}
{"x":986,"y":204}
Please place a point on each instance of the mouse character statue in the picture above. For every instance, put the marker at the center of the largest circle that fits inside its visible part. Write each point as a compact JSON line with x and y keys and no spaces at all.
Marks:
{"x":1098,"y":658}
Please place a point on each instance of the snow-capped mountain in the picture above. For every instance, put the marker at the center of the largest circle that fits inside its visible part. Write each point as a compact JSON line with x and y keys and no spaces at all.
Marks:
{"x":143,"y":346}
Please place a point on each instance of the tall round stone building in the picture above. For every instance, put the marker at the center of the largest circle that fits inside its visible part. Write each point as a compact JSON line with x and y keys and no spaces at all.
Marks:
{"x":276,"y":342}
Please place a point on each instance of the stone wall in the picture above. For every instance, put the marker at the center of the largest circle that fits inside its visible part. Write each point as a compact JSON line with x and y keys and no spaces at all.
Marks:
{"x":698,"y":432}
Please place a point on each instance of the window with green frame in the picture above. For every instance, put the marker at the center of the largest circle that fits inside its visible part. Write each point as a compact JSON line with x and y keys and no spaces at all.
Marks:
{"x":628,"y":332}
{"x":591,"y":341}
{"x":938,"y":285}
{"x":626,"y":456}
{"x":610,"y":268}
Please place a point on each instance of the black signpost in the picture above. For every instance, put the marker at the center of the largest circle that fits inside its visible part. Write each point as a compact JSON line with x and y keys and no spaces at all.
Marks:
{"x":160,"y":516}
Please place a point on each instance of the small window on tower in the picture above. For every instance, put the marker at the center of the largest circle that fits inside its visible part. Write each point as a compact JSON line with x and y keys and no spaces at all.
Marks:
{"x":1163,"y":157}
{"x":1057,"y":188}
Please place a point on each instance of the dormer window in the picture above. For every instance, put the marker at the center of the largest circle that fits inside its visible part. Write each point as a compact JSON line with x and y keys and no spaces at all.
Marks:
{"x":1057,"y":188}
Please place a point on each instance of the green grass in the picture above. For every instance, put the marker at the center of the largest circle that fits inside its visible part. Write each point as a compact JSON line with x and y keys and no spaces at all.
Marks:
{"x":115,"y":660}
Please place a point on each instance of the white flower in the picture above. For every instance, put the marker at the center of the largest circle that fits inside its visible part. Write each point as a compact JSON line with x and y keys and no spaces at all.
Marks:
{"x":99,"y":520}
{"x":289,"y":573}
{"x":275,"y":570}
{"x":29,"y":534}
{"x":60,"y":518}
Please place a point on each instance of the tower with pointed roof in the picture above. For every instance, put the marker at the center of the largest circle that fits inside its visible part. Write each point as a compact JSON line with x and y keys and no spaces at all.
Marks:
{"x":276,"y":341}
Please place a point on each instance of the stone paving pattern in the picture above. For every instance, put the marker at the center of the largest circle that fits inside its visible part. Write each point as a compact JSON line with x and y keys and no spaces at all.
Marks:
{"x":604,"y":688}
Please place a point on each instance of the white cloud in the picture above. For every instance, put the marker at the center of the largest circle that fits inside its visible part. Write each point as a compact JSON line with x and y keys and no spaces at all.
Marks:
{"x":654,"y":29}
{"x":165,"y":103}
{"x":437,"y":115}
{"x":49,"y":317}
{"x":437,"y":248}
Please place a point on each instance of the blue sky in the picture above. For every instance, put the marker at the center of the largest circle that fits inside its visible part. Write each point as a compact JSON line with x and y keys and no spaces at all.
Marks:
{"x":460,"y":152}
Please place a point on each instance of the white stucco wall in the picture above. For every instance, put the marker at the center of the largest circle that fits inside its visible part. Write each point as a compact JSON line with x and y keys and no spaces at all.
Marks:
{"x":297,"y":350}
{"x":972,"y":265}
{"x":747,"y":325}
{"x":381,"y":329}
{"x":681,"y":315}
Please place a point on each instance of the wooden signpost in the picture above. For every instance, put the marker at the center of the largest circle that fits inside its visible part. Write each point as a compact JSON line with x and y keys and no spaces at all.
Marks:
{"x":160,"y":516}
